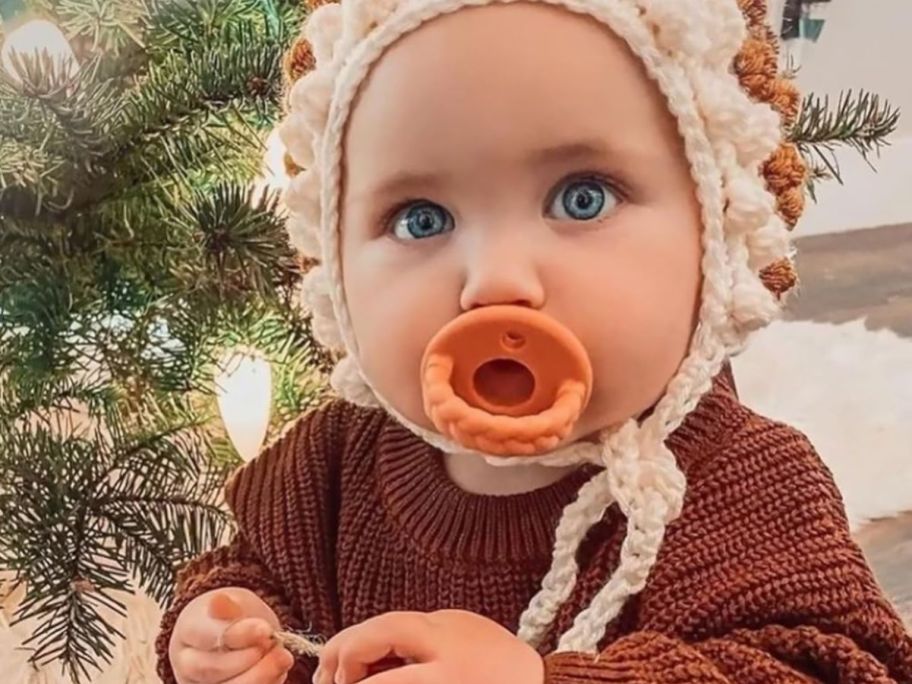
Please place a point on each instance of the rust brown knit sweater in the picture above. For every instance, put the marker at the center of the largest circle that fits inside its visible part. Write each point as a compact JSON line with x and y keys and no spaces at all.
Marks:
{"x":349,"y":516}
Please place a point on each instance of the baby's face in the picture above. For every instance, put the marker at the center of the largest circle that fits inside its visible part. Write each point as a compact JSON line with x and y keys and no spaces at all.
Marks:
{"x":519,"y":154}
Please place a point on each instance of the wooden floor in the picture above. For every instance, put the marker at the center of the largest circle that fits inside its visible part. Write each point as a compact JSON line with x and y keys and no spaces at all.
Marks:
{"x":866,"y":274}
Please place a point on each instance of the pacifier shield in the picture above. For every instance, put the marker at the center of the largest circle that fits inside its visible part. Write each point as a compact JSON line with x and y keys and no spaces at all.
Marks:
{"x":505,"y":380}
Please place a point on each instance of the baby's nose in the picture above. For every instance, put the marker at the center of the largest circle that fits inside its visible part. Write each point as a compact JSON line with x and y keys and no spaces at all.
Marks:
{"x":502,"y":273}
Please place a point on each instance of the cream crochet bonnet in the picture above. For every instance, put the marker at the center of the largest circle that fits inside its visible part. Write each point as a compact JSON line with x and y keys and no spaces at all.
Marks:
{"x":716,"y":63}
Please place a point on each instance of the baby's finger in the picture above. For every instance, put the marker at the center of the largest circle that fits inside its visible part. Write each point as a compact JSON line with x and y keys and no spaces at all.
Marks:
{"x":209,"y":667}
{"x":223,"y":607}
{"x":201,"y":633}
{"x":420,"y":673}
{"x":350,"y":669}
{"x":204,"y":634}
{"x":271,"y":669}
{"x":348,"y":656}
{"x":248,"y":633}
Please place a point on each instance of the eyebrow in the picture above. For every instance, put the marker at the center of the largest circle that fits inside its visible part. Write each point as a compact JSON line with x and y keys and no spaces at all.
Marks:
{"x":406,"y":182}
{"x":582,"y":149}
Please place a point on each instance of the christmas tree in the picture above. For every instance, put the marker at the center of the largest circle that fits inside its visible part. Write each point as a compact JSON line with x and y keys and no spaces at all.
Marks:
{"x":144,"y":273}
{"x":143,"y":259}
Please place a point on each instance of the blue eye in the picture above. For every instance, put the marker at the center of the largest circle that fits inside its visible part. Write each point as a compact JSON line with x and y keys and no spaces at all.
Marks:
{"x":421,"y":220}
{"x":583,"y":200}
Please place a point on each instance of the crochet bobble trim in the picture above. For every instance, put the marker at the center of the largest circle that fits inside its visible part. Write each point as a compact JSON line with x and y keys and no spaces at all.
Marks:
{"x":749,"y":184}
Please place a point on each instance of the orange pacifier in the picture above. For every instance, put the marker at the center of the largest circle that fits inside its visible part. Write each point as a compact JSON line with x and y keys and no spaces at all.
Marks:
{"x":505,"y":380}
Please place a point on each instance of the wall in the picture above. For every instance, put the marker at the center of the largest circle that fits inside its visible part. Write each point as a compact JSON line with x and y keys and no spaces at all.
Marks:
{"x":865,"y":44}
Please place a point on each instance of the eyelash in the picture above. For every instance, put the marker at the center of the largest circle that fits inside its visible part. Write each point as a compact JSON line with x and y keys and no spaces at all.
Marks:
{"x":614,"y":185}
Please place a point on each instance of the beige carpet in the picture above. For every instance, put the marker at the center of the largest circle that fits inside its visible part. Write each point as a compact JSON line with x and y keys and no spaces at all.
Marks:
{"x":133,"y":662}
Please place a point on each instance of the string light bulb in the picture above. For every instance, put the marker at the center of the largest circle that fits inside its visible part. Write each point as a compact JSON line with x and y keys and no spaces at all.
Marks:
{"x":244,"y":393}
{"x":273,"y":177}
{"x":30,"y":36}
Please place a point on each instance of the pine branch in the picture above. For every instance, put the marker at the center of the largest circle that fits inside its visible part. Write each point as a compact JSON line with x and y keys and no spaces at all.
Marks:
{"x":55,"y":406}
{"x":69,"y":304}
{"x":80,"y":513}
{"x":862,"y":122}
{"x":203,"y":238}
{"x":198,"y":103}
{"x":54,"y":145}
{"x":240,"y":248}
{"x":59,"y":97}
{"x":817,"y":173}
{"x":133,"y":257}
{"x":184,"y":23}
{"x":109,"y":26}
{"x":145,"y":326}
{"x":203,"y":144}
{"x":22,"y":166}
{"x":194,"y":81}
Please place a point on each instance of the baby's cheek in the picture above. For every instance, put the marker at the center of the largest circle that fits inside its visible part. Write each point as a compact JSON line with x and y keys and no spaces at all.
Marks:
{"x":636,"y":338}
{"x":396,"y":309}
{"x":631,"y":372}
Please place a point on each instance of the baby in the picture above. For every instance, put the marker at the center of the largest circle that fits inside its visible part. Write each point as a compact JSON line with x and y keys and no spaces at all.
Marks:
{"x":544,"y":227}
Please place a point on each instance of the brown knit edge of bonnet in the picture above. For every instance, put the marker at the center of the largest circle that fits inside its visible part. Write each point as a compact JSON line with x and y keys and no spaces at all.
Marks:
{"x":298,"y":61}
{"x":757,"y":68}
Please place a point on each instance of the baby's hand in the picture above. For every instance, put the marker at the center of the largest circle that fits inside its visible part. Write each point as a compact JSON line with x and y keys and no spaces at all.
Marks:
{"x":442,"y":647}
{"x":226,"y":636}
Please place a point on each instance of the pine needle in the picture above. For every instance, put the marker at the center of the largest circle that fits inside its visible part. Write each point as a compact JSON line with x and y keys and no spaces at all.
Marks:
{"x":861,"y":121}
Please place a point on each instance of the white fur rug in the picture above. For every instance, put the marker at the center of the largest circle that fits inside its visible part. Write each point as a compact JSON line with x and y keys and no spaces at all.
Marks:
{"x":848,"y":389}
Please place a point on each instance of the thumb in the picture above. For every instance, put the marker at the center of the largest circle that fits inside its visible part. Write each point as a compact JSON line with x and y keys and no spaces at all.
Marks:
{"x":223,"y":607}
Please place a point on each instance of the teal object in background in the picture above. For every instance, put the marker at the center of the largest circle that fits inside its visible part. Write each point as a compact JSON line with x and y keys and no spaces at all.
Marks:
{"x":803,"y":19}
{"x":811,"y":28}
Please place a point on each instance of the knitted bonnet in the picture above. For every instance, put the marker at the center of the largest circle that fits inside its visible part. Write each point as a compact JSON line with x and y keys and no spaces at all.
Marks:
{"x":716,"y":62}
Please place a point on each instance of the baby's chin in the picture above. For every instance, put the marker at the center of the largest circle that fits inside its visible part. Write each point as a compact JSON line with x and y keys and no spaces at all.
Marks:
{"x":603,"y":419}
{"x":591,"y":430}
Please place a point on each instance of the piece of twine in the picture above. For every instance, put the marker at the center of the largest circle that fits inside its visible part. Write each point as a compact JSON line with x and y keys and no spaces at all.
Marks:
{"x":299,"y":644}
